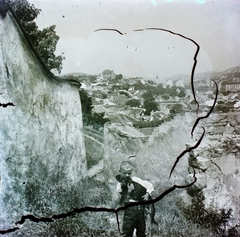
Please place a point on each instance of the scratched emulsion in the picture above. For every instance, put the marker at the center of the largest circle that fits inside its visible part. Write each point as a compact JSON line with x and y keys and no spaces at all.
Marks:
{"x":75,"y":211}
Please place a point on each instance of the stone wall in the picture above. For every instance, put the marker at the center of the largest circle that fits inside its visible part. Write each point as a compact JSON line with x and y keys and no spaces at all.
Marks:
{"x":41,"y":140}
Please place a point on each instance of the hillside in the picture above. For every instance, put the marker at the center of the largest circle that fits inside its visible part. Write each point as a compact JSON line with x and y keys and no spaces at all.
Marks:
{"x":204,"y":75}
{"x":55,"y":172}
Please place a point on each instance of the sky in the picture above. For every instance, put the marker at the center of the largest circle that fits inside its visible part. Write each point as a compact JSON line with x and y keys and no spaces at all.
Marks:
{"x":213,"y":25}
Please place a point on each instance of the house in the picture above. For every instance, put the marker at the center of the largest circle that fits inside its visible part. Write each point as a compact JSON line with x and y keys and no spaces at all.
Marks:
{"x":237,"y":105}
{"x":121,"y":99}
{"x":179,"y":83}
{"x":96,"y":94}
{"x":107,"y":102}
{"x":113,"y":95}
{"x":96,"y":87}
{"x":230,"y":85}
{"x":134,"y":112}
{"x":156,"y":115}
{"x":168,"y":83}
{"x":99,"y":109}
{"x":99,"y":78}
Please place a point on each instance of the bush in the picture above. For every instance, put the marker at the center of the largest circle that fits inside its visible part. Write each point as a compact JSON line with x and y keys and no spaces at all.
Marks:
{"x":209,"y":218}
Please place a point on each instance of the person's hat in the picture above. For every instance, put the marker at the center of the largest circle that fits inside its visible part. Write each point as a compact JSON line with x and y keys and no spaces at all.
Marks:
{"x":126,"y":167}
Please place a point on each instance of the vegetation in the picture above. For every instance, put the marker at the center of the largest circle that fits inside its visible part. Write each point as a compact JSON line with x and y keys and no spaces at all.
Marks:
{"x":118,"y":76}
{"x":172,"y":222}
{"x":97,"y":120}
{"x":212,"y":219}
{"x":139,"y":86}
{"x":44,"y":41}
{"x":133,"y":103}
{"x":177,"y":108}
{"x":147,"y":124}
{"x":104,"y":95}
{"x":65,"y":198}
{"x":94,"y":148}
{"x":107,"y":72}
{"x":166,"y":97}
{"x":149,"y":103}
{"x":25,"y":11}
{"x":181,"y":94}
{"x":86,"y":102}
{"x":225,"y":106}
{"x":194,"y":221}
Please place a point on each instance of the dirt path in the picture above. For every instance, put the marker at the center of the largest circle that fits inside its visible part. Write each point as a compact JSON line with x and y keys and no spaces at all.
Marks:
{"x":96,"y":169}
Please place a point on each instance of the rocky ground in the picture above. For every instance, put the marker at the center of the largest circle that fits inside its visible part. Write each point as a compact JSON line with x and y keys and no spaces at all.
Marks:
{"x":218,"y":162}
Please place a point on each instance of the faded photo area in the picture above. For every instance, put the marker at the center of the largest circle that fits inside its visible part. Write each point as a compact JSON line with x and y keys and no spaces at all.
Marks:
{"x":119,"y":118}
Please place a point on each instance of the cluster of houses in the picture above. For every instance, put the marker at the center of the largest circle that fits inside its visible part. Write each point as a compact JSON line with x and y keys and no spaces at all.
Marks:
{"x":109,"y":98}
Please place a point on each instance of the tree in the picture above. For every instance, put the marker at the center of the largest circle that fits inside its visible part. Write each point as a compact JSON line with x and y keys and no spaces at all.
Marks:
{"x":149,"y":103}
{"x":166,"y":97}
{"x":104,"y":95}
{"x":172,"y":91}
{"x":107,"y":72}
{"x":44,"y":41}
{"x":133,"y":103}
{"x":25,"y":11}
{"x":150,"y":106}
{"x":181,"y":94}
{"x":86,"y":102}
{"x":115,"y":87}
{"x":139,"y":86}
{"x":177,"y":108}
{"x":99,"y":119}
{"x":90,"y":117}
{"x":160,"y":90}
{"x":93,"y":78}
{"x":118,"y":76}
{"x":46,"y":44}
{"x":148,"y":96}
{"x":125,"y":87}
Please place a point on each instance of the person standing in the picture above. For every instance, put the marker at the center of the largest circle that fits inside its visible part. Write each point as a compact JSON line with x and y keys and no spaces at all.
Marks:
{"x":132,"y":189}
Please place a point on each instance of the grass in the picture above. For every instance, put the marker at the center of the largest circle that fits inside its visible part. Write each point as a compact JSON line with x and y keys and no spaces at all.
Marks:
{"x":94,"y":152}
{"x":173,"y":219}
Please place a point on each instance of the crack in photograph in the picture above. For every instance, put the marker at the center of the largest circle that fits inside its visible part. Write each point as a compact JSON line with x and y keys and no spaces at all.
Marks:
{"x":119,"y":118}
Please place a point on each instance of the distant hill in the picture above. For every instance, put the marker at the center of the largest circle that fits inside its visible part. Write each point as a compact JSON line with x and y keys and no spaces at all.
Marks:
{"x":76,"y":74}
{"x":185,"y":77}
{"x":232,"y":70}
{"x":205,"y":75}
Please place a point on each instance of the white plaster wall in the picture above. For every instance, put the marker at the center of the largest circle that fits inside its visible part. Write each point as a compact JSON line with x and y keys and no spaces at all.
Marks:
{"x":41,"y":135}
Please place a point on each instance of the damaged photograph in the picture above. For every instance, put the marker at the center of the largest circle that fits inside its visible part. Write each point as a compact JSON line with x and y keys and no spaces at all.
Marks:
{"x":119,"y":118}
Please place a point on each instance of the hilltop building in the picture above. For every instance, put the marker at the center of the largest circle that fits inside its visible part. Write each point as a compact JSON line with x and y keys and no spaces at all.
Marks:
{"x":230,"y":85}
